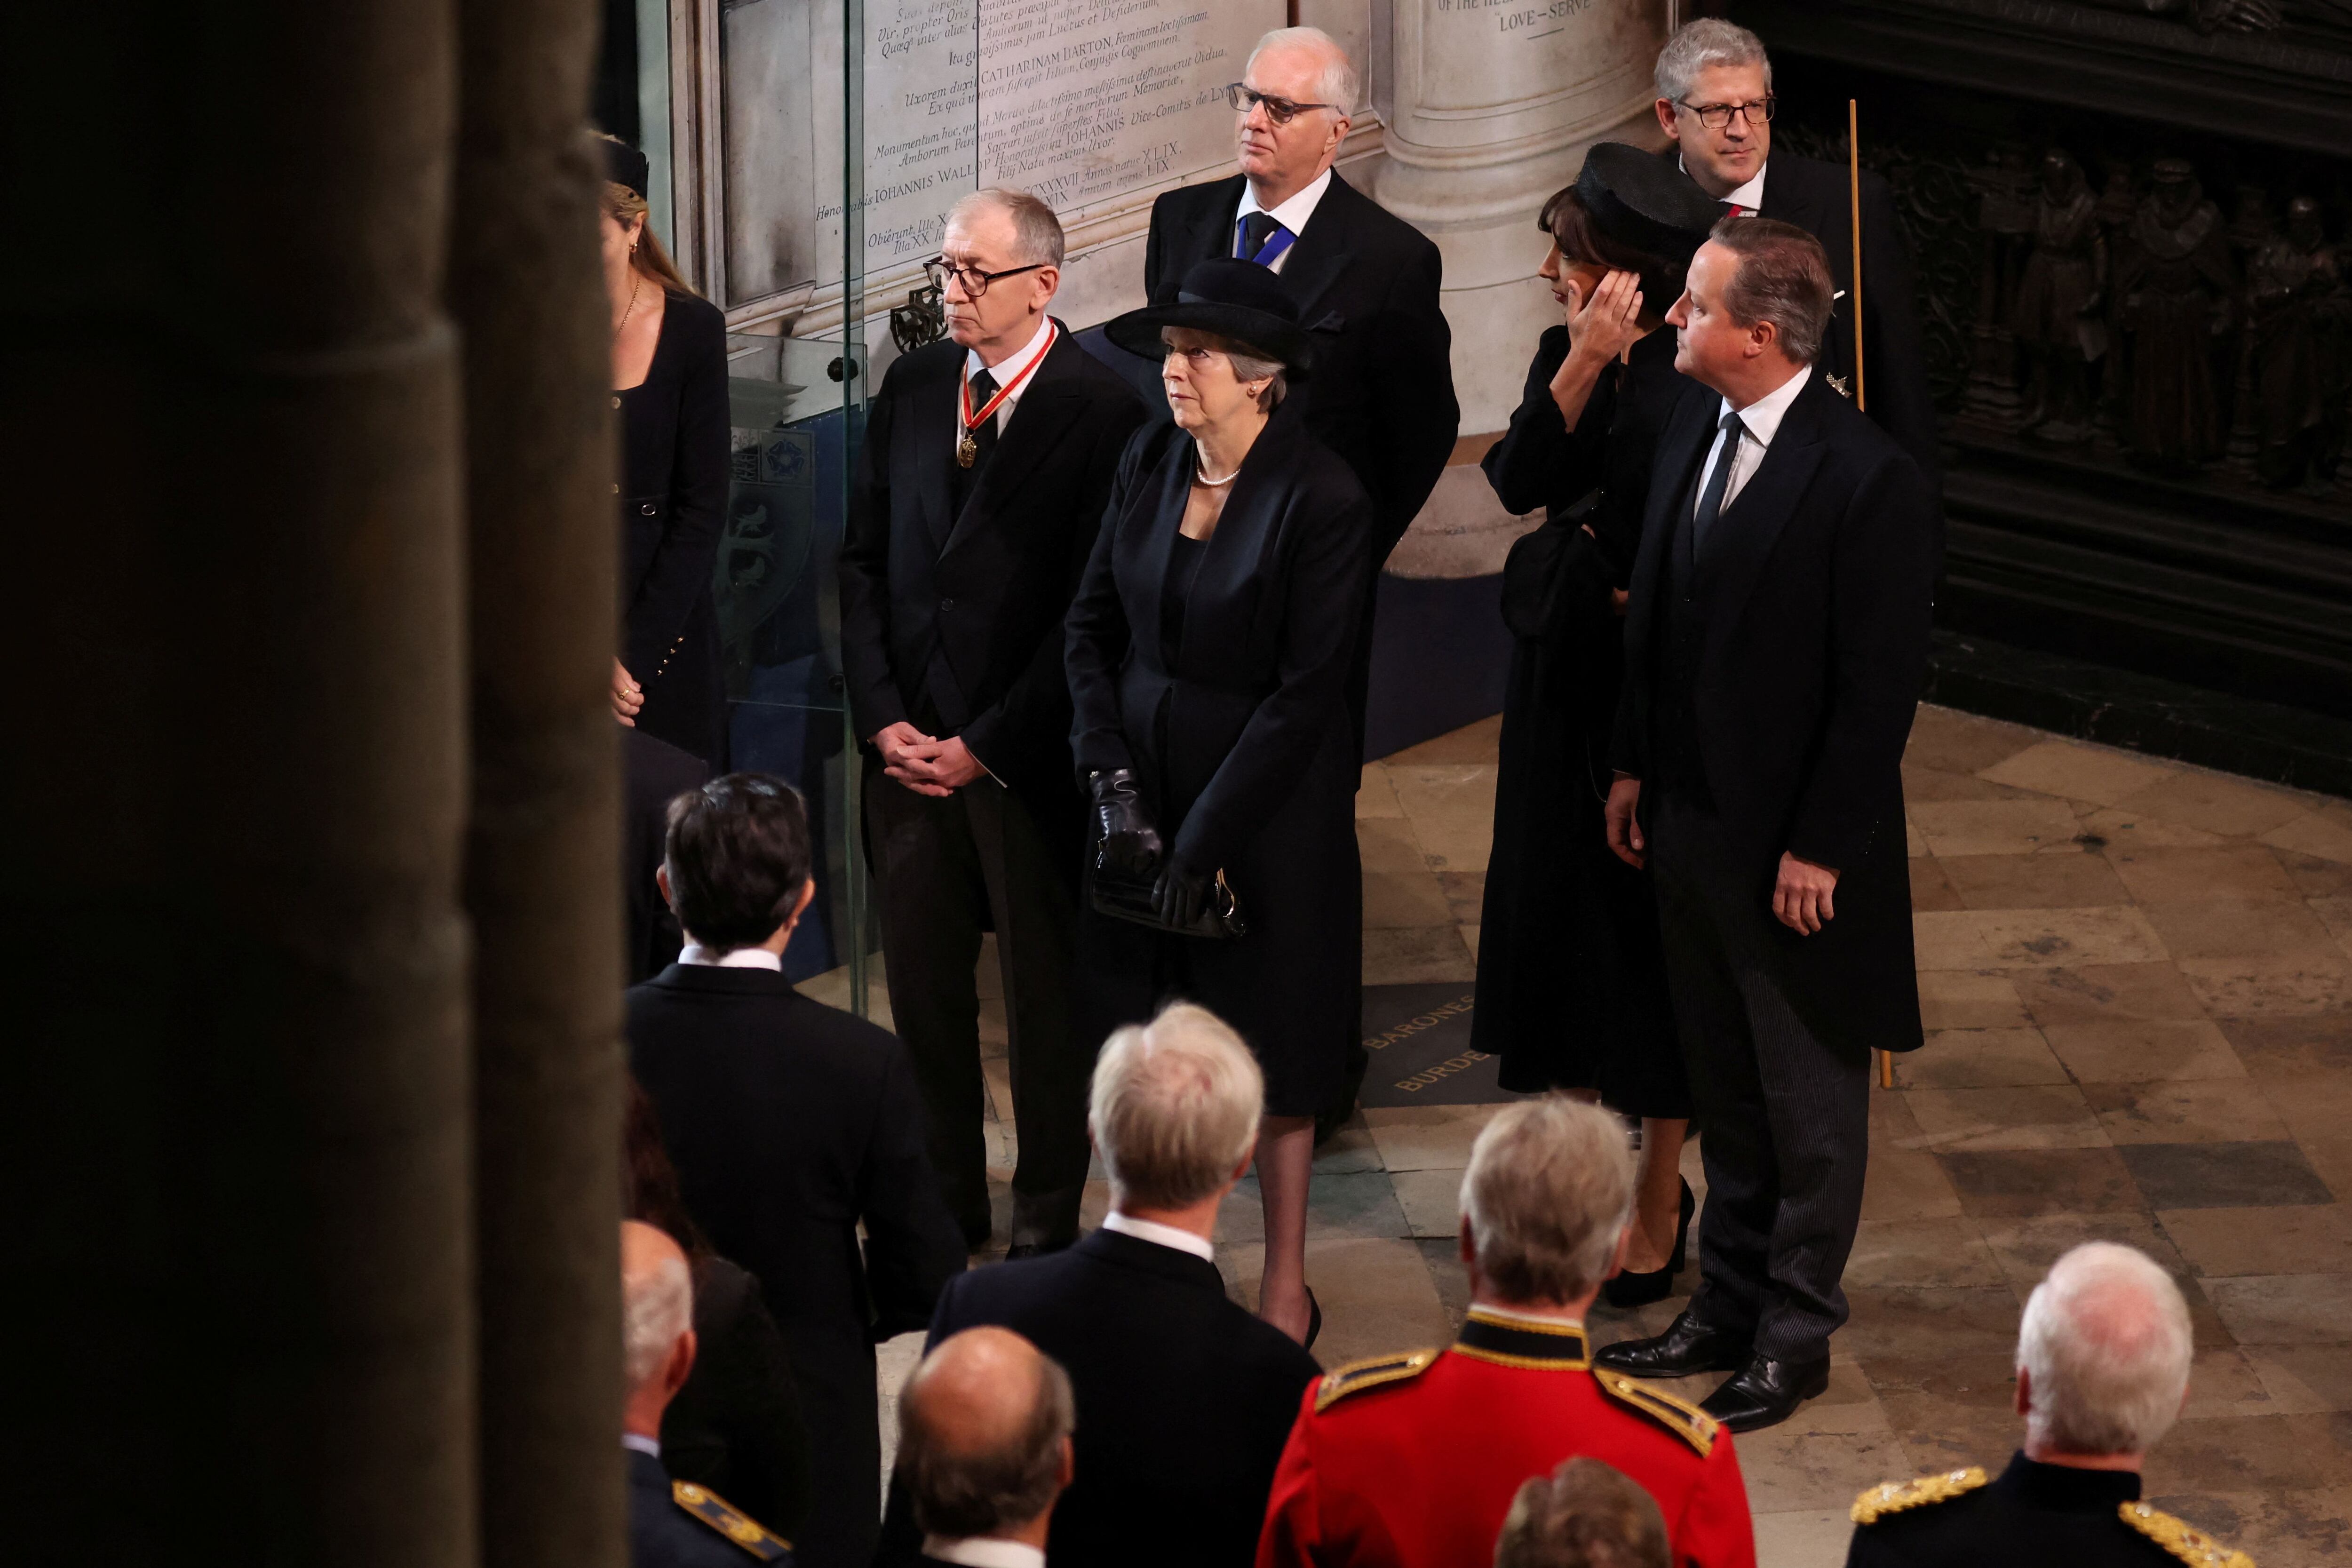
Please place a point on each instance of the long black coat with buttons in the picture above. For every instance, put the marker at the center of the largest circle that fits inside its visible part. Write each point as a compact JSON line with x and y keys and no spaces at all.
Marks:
{"x":673,"y":493}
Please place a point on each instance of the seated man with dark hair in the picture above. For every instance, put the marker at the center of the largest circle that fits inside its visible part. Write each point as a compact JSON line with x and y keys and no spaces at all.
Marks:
{"x":791,"y":1124}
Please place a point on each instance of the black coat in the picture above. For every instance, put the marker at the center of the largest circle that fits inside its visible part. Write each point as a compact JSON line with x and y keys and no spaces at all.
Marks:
{"x":1817,"y":198}
{"x":1239,"y":739}
{"x":736,"y":1427}
{"x":990,"y":586}
{"x":652,"y":773}
{"x":1184,"y":1401}
{"x":1571,"y":979}
{"x":674,"y":441}
{"x":1815,"y":595}
{"x":1366,"y":282}
{"x":790,"y":1123}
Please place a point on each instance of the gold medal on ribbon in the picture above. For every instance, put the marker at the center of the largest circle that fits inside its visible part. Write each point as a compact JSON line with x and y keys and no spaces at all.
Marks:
{"x":967,"y":450}
{"x":967,"y":443}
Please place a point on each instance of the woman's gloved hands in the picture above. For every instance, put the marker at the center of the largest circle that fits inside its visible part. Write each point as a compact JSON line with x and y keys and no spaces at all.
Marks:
{"x":1180,"y":896}
{"x":1126,"y":842}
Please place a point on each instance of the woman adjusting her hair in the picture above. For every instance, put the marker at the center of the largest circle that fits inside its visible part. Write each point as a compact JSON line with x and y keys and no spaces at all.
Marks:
{"x":1208,"y":654}
{"x":669,"y":387}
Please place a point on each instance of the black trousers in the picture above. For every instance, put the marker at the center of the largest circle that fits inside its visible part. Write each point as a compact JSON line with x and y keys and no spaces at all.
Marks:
{"x":946,"y":870}
{"x":1786,"y":1117}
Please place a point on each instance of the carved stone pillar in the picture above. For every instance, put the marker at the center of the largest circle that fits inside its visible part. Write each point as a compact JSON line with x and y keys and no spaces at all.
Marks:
{"x":1491,"y":106}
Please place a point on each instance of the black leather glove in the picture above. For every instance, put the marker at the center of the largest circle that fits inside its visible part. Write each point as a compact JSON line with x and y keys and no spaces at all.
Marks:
{"x":1125,"y":840}
{"x":1182,"y":897}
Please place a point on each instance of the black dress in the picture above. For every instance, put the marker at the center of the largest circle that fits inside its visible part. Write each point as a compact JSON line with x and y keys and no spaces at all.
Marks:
{"x":1227,"y":696}
{"x":672,"y":497}
{"x":1572,"y":981}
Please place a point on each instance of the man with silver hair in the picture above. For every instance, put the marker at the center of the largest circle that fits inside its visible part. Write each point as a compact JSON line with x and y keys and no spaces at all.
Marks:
{"x":1413,"y":1461}
{"x":2103,"y":1359}
{"x":1365,"y":280}
{"x":672,"y":1524}
{"x":1183,"y":1398}
{"x":1715,"y":103}
{"x":985,"y":1449}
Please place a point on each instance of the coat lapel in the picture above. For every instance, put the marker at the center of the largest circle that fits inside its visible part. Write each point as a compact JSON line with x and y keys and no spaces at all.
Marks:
{"x":1741,"y":541}
{"x":1690,"y":430}
{"x":1321,"y":253}
{"x":933,"y":429}
{"x":1042,"y":417}
{"x":1209,"y":234}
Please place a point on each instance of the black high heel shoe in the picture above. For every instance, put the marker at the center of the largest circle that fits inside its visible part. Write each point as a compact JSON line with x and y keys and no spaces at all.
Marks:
{"x":1314,"y":1320}
{"x":1630,"y":1289}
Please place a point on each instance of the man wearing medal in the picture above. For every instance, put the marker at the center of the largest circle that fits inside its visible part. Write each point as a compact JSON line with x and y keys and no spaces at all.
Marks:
{"x":987,"y":463}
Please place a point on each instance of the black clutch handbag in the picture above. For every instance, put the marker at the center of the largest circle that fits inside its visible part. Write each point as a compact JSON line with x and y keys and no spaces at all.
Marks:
{"x":1127,"y":897}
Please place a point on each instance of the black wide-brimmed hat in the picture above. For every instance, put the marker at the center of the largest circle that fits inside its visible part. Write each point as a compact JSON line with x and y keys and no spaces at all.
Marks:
{"x":1233,"y":299}
{"x":624,"y":165}
{"x":1641,"y":200}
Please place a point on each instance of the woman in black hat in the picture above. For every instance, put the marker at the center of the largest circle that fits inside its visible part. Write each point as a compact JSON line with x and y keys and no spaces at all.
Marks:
{"x":1571,"y":983}
{"x":669,"y":383}
{"x":1208,"y":654}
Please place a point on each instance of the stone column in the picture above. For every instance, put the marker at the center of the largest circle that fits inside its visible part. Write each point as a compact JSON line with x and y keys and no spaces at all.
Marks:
{"x":234,"y":1097}
{"x":1490,"y":108}
{"x":542,"y":870}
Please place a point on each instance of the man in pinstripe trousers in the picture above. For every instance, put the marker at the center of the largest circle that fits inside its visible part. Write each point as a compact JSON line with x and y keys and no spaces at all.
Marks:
{"x":1776,"y":641}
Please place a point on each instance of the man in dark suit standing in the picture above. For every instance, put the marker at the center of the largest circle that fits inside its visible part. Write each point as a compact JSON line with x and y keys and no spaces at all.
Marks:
{"x":1715,"y":101}
{"x":1776,"y":641}
{"x":987,"y":464}
{"x":791,"y":1125}
{"x":1184,"y":1400}
{"x":1365,"y":280}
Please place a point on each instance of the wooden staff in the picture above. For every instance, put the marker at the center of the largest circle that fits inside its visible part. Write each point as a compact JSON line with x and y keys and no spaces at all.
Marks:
{"x":1853,"y":186}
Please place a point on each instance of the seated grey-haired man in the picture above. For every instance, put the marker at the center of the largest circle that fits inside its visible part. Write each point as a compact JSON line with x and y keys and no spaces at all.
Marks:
{"x":985,"y":1449}
{"x":1184,"y":1398}
{"x":2103,"y":1360}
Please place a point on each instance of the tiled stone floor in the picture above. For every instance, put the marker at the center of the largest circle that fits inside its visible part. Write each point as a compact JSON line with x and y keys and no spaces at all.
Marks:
{"x":2137,"y":980}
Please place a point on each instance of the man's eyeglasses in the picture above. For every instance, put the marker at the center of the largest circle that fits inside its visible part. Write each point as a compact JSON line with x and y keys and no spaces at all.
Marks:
{"x":1281,"y":110}
{"x":975,"y":283}
{"x":1716,"y":116}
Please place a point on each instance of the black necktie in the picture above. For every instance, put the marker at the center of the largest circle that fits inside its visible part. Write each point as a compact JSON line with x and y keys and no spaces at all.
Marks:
{"x":1257,"y":229}
{"x":1710,"y":499}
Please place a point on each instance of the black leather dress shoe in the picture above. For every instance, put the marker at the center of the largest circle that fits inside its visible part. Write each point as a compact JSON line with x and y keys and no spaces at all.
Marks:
{"x":1688,"y":1346}
{"x":1766,"y":1392}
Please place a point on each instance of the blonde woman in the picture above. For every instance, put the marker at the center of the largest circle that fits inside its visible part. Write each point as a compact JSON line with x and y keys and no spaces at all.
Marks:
{"x":669,"y":387}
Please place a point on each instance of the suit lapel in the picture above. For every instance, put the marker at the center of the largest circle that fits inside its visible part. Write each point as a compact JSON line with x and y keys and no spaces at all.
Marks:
{"x":1048,"y":406}
{"x":1209,"y":234}
{"x":1741,"y":541}
{"x":933,"y":427}
{"x":1688,"y":434}
{"x":1322,"y":251}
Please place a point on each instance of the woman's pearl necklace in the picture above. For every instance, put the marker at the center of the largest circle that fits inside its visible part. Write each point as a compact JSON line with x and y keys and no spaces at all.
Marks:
{"x":1201,"y":473}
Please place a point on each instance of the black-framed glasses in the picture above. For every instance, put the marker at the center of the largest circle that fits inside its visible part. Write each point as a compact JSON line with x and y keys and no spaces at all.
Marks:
{"x":974,"y":282}
{"x":1716,"y":116}
{"x":1281,"y":110}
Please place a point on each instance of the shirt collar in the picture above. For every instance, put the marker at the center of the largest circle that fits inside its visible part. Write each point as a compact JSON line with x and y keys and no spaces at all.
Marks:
{"x":641,"y":1443}
{"x":1750,"y":196}
{"x":1762,"y":419}
{"x":1293,"y":214}
{"x":1011,"y":369}
{"x":731,"y":958}
{"x":983,"y":1552}
{"x":1159,"y":1235}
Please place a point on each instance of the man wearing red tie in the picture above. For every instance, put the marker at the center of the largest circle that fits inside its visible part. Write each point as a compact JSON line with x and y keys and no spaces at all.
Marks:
{"x":1715,"y":102}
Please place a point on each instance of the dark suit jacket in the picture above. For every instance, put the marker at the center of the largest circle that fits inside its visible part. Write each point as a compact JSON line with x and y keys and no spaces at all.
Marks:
{"x":736,"y":1427}
{"x":1815,"y":590}
{"x":1366,"y":282}
{"x":1817,"y":198}
{"x":790,"y":1123}
{"x":990,"y":586}
{"x":652,"y":773}
{"x":1184,"y":1401}
{"x":664,"y":1535}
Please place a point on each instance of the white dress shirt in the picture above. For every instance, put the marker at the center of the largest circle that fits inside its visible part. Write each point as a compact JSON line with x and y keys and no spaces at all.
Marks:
{"x":1159,"y":1235}
{"x":641,"y":1443}
{"x":1005,"y":374}
{"x":1759,"y":422}
{"x":1750,"y":196}
{"x":1291,"y":214}
{"x":983,"y":1552}
{"x":732,"y":958}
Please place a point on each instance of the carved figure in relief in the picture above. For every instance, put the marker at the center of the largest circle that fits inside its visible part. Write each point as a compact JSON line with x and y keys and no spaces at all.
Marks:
{"x":2056,"y":321}
{"x":2298,"y":318}
{"x":2174,"y":286}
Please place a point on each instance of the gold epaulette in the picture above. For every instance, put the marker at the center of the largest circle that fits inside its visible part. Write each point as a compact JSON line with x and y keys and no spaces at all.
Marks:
{"x":728,"y":1521}
{"x":1680,"y":1417}
{"x":2188,"y":1544}
{"x":1893,"y":1497}
{"x":1369,"y":1373}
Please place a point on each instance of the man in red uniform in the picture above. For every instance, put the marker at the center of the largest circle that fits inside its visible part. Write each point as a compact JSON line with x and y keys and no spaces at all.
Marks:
{"x":1412,"y":1460}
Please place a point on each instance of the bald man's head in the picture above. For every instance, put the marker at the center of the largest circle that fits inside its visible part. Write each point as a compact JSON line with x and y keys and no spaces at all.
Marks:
{"x":657,"y":1322}
{"x":983,"y":1435}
